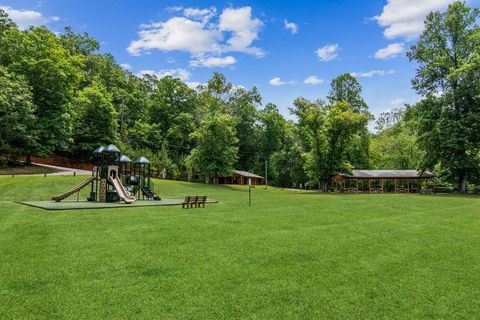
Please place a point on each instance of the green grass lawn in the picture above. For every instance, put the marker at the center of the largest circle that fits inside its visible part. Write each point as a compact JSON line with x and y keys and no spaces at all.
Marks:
{"x":289,"y":256}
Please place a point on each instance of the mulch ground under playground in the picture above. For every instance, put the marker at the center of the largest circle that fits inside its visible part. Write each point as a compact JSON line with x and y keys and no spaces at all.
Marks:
{"x":77,"y":205}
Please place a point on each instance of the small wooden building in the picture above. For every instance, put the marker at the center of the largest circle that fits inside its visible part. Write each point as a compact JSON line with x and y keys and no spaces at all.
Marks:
{"x":398,"y":181}
{"x":239,"y":177}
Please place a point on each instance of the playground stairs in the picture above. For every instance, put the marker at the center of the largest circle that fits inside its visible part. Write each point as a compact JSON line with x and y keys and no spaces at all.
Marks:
{"x":149,"y":194}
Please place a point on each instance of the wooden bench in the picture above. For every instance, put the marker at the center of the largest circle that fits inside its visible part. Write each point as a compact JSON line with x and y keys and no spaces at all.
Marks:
{"x":201,"y":200}
{"x":196,"y":201}
{"x":189,"y":201}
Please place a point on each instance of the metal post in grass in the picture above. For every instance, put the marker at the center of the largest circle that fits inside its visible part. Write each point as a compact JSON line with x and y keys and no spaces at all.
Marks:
{"x":266,"y":174}
{"x":249,"y":192}
{"x":13,"y":174}
{"x":74,"y":173}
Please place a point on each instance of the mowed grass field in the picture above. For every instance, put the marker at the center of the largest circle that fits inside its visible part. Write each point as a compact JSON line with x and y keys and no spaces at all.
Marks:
{"x":290,"y":255}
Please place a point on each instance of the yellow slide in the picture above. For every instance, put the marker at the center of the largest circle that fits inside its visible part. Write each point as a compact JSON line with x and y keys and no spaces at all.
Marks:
{"x":77,"y":188}
{"x":117,"y":184}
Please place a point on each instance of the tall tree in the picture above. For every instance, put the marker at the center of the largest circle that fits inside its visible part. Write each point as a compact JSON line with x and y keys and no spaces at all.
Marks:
{"x":346,"y":89}
{"x":53,"y":74}
{"x":244,"y":108}
{"x":327,"y":131}
{"x":17,"y":136}
{"x":5,"y":22}
{"x":216,"y":150}
{"x":447,"y":77}
{"x":96,"y":120}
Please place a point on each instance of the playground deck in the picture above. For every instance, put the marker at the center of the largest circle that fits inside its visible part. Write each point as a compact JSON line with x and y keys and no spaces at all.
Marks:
{"x":77,"y":205}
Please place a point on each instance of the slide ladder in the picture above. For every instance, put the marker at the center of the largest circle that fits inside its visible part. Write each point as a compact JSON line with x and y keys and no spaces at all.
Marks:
{"x":77,"y":188}
{"x":117,"y":184}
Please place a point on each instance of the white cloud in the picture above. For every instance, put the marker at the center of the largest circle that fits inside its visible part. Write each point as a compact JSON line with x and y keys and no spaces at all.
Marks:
{"x":26,"y":18}
{"x":174,"y":9}
{"x":292,"y":27}
{"x":399,"y":102}
{"x":404,"y":18}
{"x":204,"y":38}
{"x":211,"y":62}
{"x":194,"y":84}
{"x":328,"y":52}
{"x":373,"y":73}
{"x":390,"y":51}
{"x":179,"y":73}
{"x":244,"y":30}
{"x":177,"y":33}
{"x":313,"y":80}
{"x":203,"y":15}
{"x":126,"y":66}
{"x":277,"y":82}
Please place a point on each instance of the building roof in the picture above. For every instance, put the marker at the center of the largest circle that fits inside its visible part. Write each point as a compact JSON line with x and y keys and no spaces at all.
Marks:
{"x":247,"y":174}
{"x":389,"y":174}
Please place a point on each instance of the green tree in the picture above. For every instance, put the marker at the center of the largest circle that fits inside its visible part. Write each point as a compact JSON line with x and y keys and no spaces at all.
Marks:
{"x":53,"y":75}
{"x":244,"y":109}
{"x":287,"y":162}
{"x":17,"y":136}
{"x":216,"y":150}
{"x":96,"y":120}
{"x":272,"y":138}
{"x":326,"y":131}
{"x":346,"y":89}
{"x":144,"y":135}
{"x":166,"y":166}
{"x":447,"y":77}
{"x":395,"y":147}
{"x":5,"y":22}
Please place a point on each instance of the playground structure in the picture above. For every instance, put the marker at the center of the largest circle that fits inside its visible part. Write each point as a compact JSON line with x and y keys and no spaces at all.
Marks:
{"x":114,"y":178}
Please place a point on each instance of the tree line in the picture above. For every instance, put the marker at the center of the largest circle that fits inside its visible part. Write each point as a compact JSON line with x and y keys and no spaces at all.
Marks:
{"x":60,"y":96}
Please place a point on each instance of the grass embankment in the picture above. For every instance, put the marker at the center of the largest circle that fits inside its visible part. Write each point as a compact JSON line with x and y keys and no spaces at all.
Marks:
{"x":290,"y":255}
{"x":27,"y":169}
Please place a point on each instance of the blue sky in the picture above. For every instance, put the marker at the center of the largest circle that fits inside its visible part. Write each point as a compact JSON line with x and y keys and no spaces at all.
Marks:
{"x":287,"y":49}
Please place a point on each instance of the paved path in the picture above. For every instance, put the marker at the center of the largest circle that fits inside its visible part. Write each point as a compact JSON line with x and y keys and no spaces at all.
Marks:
{"x":62,"y":171}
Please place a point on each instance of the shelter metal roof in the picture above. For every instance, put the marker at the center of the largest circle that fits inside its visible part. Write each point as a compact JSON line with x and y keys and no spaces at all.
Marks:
{"x":142,"y":160}
{"x":389,"y":174}
{"x":111,"y":148}
{"x":99,"y":149}
{"x":123,"y":159}
{"x":247,"y":174}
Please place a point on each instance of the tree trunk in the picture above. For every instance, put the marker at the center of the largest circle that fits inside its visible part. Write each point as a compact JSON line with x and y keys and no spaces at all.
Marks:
{"x":462,"y":183}
{"x":28,"y":159}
